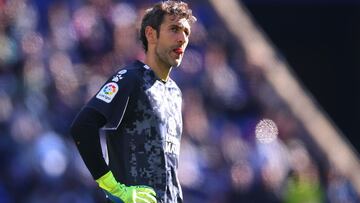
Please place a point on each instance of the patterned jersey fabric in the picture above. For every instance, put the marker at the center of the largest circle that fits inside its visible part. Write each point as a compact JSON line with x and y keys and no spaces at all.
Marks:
{"x":144,"y":127}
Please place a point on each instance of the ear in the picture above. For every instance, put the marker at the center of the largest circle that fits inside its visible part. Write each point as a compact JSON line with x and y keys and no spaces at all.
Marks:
{"x":151,"y":35}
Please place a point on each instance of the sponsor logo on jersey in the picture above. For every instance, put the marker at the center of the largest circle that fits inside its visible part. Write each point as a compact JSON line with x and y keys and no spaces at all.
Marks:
{"x":172,"y":126}
{"x":108,"y":92}
{"x":172,"y":145}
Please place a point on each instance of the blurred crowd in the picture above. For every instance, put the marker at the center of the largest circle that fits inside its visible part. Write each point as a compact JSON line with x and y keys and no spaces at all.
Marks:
{"x":55,"y":55}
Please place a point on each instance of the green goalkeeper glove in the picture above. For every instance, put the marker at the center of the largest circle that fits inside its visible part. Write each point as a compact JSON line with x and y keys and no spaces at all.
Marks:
{"x":120,"y":193}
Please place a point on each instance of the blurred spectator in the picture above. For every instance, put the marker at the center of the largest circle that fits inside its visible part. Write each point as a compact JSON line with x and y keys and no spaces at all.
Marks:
{"x":221,"y":82}
{"x":340,"y":189}
{"x":304,"y":182}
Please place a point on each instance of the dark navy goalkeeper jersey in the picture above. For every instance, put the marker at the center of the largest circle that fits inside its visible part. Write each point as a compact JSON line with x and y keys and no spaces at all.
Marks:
{"x":144,"y":126}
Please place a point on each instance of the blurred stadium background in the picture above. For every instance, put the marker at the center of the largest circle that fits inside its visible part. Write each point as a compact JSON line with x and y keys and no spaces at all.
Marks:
{"x":238,"y":69}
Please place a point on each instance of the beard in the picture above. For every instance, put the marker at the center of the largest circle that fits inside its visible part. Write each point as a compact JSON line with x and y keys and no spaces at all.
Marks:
{"x":168,"y":57}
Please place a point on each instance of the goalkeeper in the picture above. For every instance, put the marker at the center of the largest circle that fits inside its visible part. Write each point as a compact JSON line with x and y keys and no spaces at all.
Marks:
{"x":139,"y":107}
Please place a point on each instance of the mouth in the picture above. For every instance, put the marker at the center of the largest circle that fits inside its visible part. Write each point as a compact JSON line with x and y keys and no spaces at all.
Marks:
{"x":178,"y":50}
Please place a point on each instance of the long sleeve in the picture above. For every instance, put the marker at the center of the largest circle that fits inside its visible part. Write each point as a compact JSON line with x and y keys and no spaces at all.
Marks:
{"x":85,"y":132}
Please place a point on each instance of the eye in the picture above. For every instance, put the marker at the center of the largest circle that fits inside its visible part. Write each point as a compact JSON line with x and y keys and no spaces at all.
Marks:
{"x":187,"y":32}
{"x":174,"y":29}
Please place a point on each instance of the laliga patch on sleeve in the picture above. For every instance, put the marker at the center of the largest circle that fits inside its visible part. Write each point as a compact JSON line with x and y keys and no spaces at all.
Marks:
{"x":108,"y":92}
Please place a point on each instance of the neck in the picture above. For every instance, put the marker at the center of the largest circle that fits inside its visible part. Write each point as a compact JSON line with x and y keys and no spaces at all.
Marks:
{"x":161,"y":70}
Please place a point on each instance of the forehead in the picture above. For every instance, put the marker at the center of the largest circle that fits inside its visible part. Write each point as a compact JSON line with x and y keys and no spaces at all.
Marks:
{"x":176,"y":20}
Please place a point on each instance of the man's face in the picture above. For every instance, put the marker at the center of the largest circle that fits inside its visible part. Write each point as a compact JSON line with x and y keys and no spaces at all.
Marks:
{"x":172,"y":40}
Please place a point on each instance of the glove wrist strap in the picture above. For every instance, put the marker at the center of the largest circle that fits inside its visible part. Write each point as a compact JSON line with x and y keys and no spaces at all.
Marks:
{"x":108,"y":182}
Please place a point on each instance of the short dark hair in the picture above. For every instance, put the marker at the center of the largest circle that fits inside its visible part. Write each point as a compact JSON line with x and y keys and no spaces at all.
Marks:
{"x":154,"y":16}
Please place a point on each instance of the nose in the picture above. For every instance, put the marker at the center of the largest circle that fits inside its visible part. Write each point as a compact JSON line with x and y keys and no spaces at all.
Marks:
{"x":182,"y":38}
